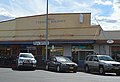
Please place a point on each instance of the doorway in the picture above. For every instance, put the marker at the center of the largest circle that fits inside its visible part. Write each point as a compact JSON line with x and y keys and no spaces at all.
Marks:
{"x":81,"y":57}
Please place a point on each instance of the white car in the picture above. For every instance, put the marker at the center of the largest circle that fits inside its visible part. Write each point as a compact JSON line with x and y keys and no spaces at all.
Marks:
{"x":25,"y":60}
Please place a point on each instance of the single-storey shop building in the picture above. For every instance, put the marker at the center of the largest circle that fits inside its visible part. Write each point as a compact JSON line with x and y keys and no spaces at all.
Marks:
{"x":69,"y":34}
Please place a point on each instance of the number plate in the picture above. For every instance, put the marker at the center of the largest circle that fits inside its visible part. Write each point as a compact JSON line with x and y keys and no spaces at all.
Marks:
{"x":27,"y":61}
{"x":116,"y":68}
{"x":71,"y":67}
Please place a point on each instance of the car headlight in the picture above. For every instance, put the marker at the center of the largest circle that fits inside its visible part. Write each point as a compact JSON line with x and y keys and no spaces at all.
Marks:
{"x":34,"y":61}
{"x":63,"y":65}
{"x":20,"y":61}
{"x":108,"y":64}
{"x":76,"y":64}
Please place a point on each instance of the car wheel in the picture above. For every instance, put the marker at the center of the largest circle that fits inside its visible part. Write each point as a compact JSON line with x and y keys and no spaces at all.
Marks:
{"x":87,"y":69}
{"x":18,"y":67}
{"x":58,"y":68}
{"x":74,"y":71}
{"x":101,"y":70}
{"x":47,"y":67}
{"x":118,"y":73}
{"x":14,"y":67}
{"x":34,"y":68}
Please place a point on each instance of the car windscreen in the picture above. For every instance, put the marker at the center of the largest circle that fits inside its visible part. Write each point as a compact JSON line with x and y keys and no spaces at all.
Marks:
{"x":105,"y":58}
{"x":26,"y":55}
{"x":63,"y":59}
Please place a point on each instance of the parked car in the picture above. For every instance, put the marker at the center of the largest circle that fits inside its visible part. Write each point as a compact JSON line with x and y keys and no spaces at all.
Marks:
{"x":101,"y":64}
{"x":60,"y":63}
{"x":24,"y":60}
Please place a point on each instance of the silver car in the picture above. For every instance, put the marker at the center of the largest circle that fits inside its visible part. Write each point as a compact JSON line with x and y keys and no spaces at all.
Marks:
{"x":102,"y":64}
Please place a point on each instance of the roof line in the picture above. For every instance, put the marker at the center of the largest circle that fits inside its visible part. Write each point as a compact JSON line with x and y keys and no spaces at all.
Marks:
{"x":52,"y":14}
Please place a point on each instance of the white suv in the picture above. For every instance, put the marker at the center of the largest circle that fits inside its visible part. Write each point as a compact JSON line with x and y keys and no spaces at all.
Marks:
{"x":26,"y":60}
{"x":102,"y":64}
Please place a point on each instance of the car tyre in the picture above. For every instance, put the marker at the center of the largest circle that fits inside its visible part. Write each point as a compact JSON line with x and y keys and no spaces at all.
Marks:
{"x":87,"y":69}
{"x":18,"y":67}
{"x":34,"y":68}
{"x":58,"y":68}
{"x":14,"y":67}
{"x":118,"y":73}
{"x":47,"y":67}
{"x":101,"y":70}
{"x":74,"y":71}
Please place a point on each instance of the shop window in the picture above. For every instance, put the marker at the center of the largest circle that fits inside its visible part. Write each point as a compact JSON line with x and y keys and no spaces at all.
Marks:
{"x":82,"y":47}
{"x":5,"y":51}
{"x":82,"y":50}
{"x":28,"y":49}
{"x":81,"y":18}
{"x":2,"y":51}
{"x":83,"y":54}
{"x":56,"y":50}
{"x":116,"y":52}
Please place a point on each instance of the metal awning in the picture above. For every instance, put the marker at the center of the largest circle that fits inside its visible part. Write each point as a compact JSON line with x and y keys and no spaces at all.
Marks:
{"x":50,"y":42}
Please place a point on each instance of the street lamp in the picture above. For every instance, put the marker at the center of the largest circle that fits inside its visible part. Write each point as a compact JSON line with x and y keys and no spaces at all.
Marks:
{"x":46,"y":31}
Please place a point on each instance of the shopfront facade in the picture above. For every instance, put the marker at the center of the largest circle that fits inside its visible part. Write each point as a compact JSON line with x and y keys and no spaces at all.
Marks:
{"x":69,"y":34}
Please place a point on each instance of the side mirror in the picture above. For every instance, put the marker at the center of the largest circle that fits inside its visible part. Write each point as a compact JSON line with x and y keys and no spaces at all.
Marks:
{"x":55,"y":60}
{"x":96,"y":60}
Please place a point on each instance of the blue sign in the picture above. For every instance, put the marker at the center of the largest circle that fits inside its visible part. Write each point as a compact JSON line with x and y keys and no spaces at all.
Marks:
{"x":40,"y":43}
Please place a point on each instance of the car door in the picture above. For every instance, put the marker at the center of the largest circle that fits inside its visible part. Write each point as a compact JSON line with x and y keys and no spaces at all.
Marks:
{"x":90,"y":62}
{"x":52,"y":63}
{"x":95,"y":63}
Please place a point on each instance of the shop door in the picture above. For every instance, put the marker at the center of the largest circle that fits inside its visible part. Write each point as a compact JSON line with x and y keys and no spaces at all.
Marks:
{"x":75,"y":57}
{"x":81,"y":57}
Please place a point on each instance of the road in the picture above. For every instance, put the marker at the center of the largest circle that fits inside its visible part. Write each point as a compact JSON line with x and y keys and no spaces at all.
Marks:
{"x":9,"y":75}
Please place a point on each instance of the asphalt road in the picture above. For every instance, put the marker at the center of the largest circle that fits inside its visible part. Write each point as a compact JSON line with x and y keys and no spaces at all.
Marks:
{"x":9,"y":75}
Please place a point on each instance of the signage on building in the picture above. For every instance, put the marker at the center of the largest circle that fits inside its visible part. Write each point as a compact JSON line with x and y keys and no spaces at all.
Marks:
{"x":110,"y":41}
{"x":81,"y":18}
{"x":51,"y":20}
{"x":40,"y":43}
{"x":31,"y":47}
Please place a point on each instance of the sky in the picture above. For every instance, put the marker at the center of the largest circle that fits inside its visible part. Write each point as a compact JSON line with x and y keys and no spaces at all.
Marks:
{"x":103,"y":12}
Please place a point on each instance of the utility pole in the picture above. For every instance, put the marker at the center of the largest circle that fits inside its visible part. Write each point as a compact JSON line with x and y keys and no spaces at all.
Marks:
{"x":46,"y":31}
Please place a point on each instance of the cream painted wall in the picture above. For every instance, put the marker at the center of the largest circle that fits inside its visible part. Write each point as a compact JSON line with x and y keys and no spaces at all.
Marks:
{"x":7,"y":30}
{"x":55,"y":21}
{"x":7,"y":25}
{"x":61,"y":26}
